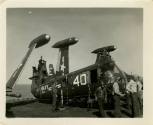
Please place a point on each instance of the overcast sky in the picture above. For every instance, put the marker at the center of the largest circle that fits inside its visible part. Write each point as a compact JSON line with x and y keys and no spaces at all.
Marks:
{"x":93,"y":27}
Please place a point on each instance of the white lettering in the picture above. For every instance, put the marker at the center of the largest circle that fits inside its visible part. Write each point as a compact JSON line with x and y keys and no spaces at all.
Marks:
{"x":82,"y":80}
{"x":76,"y":81}
{"x":45,"y":88}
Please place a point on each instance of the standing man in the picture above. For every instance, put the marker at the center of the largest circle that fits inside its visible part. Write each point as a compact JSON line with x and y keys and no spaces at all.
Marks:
{"x":132,"y":89}
{"x":63,"y":84}
{"x":117,"y":94}
{"x":54,"y":97}
{"x":100,"y":96}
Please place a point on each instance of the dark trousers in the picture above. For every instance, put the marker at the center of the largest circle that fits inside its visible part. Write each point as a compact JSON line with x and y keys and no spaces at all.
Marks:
{"x":128,"y":101}
{"x":101,"y":106}
{"x":135,"y":105}
{"x":110,"y":100}
{"x":117,"y":110}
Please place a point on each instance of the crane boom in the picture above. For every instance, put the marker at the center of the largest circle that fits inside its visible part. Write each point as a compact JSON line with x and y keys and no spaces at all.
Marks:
{"x":37,"y":42}
{"x":17,"y":72}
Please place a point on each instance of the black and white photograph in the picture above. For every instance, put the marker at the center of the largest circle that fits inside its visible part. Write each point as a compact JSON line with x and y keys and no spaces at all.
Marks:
{"x":74,"y":62}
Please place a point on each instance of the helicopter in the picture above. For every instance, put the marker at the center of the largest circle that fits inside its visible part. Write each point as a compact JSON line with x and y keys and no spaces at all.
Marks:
{"x":78,"y":84}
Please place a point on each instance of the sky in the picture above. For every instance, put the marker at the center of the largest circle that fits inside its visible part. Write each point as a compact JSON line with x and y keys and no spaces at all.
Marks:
{"x":94,"y":27}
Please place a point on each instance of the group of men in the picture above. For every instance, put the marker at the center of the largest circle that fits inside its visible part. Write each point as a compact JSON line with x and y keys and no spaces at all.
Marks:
{"x":111,"y":93}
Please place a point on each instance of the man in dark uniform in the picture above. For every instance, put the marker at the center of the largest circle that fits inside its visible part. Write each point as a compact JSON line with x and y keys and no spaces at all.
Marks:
{"x":100,"y":96}
{"x":54,"y":97}
{"x":116,"y":96}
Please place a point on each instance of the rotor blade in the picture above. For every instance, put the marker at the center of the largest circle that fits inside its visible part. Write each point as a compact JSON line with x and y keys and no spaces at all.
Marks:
{"x":40,"y":40}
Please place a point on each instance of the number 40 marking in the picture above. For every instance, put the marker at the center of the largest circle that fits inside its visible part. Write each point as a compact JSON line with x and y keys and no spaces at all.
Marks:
{"x":82,"y":80}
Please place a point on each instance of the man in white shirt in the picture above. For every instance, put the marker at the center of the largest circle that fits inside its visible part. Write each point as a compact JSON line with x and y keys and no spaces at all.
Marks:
{"x":132,"y":88}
